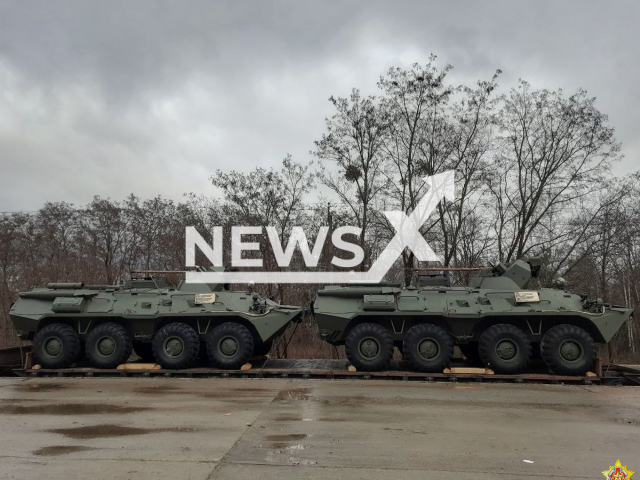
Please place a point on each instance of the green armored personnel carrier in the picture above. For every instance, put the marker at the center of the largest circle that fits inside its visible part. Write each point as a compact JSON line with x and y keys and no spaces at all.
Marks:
{"x":495,"y":320}
{"x":170,"y":326}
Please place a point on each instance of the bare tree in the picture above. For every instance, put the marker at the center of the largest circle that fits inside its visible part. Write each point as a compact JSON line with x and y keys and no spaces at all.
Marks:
{"x":149,"y":224}
{"x":470,"y":139}
{"x":554,"y":151}
{"x":268,"y":198}
{"x":413,"y":100}
{"x":107,"y":228}
{"x":354,"y":140}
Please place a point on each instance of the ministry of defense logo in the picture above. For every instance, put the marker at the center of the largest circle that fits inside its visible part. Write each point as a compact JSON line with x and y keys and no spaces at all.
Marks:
{"x":617,"y":472}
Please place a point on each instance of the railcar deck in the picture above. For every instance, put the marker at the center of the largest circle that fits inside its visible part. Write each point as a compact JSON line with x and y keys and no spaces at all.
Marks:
{"x":332,"y":369}
{"x":318,"y":369}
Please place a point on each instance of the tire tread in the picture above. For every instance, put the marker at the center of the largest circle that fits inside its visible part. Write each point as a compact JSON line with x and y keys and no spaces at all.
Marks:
{"x":193,"y":342}
{"x":387,"y":343}
{"x":548,"y":350}
{"x":115,"y":330}
{"x":497,"y":330}
{"x":72,"y":347}
{"x":246,"y":345}
{"x":419,"y":331}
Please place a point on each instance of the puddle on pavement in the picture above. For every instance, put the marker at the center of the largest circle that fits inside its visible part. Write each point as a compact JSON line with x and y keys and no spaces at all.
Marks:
{"x":68,"y":409}
{"x":38,"y":387}
{"x":288,"y":447}
{"x":235,"y":392}
{"x":19,"y":400}
{"x":352,"y":401}
{"x":288,"y":418}
{"x":106,"y":431}
{"x":356,"y":401}
{"x":290,"y":437}
{"x":294,"y":394}
{"x":56,"y":450}
{"x":628,"y":421}
{"x":286,"y":442}
{"x":297,"y":418}
{"x":252,"y":390}
{"x":157,"y":390}
{"x":238,"y":393}
{"x":470,"y":404}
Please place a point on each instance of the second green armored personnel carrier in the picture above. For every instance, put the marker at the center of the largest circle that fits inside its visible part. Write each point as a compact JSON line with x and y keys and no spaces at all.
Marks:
{"x":170,"y":326}
{"x":495,"y":320}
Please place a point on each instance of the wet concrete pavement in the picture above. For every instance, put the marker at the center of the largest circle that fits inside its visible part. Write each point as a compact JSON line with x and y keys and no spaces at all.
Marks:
{"x":137,"y":428}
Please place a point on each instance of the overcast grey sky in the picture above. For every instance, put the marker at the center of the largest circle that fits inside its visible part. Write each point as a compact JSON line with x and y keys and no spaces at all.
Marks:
{"x":109,"y":98}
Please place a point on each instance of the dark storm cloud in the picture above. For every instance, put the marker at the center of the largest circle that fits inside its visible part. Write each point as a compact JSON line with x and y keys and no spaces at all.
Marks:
{"x":151,"y":97}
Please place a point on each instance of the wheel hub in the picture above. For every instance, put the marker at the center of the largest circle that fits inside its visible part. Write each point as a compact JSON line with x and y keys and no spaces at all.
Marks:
{"x":369,"y":348}
{"x":173,"y":346}
{"x":53,"y":346}
{"x":506,"y":349}
{"x":106,"y":346}
{"x":570,"y":350}
{"x":228,"y":346}
{"x":428,"y":349}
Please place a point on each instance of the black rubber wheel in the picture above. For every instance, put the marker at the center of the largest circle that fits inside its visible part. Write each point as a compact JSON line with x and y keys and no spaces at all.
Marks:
{"x":568,"y":350}
{"x":229,"y":345}
{"x":56,"y":346}
{"x":470,"y":352}
{"x":369,"y":347}
{"x":263,"y":348}
{"x":144,"y":350}
{"x":108,"y":345}
{"x":427,"y":348}
{"x":176,"y":345}
{"x":505,"y":349}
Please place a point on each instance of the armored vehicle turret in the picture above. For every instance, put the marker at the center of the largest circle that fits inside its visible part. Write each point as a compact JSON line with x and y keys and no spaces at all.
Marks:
{"x":495,"y":320}
{"x":170,"y":326}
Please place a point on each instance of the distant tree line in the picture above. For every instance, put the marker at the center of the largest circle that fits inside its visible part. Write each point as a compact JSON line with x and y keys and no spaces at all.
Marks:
{"x":533,"y":177}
